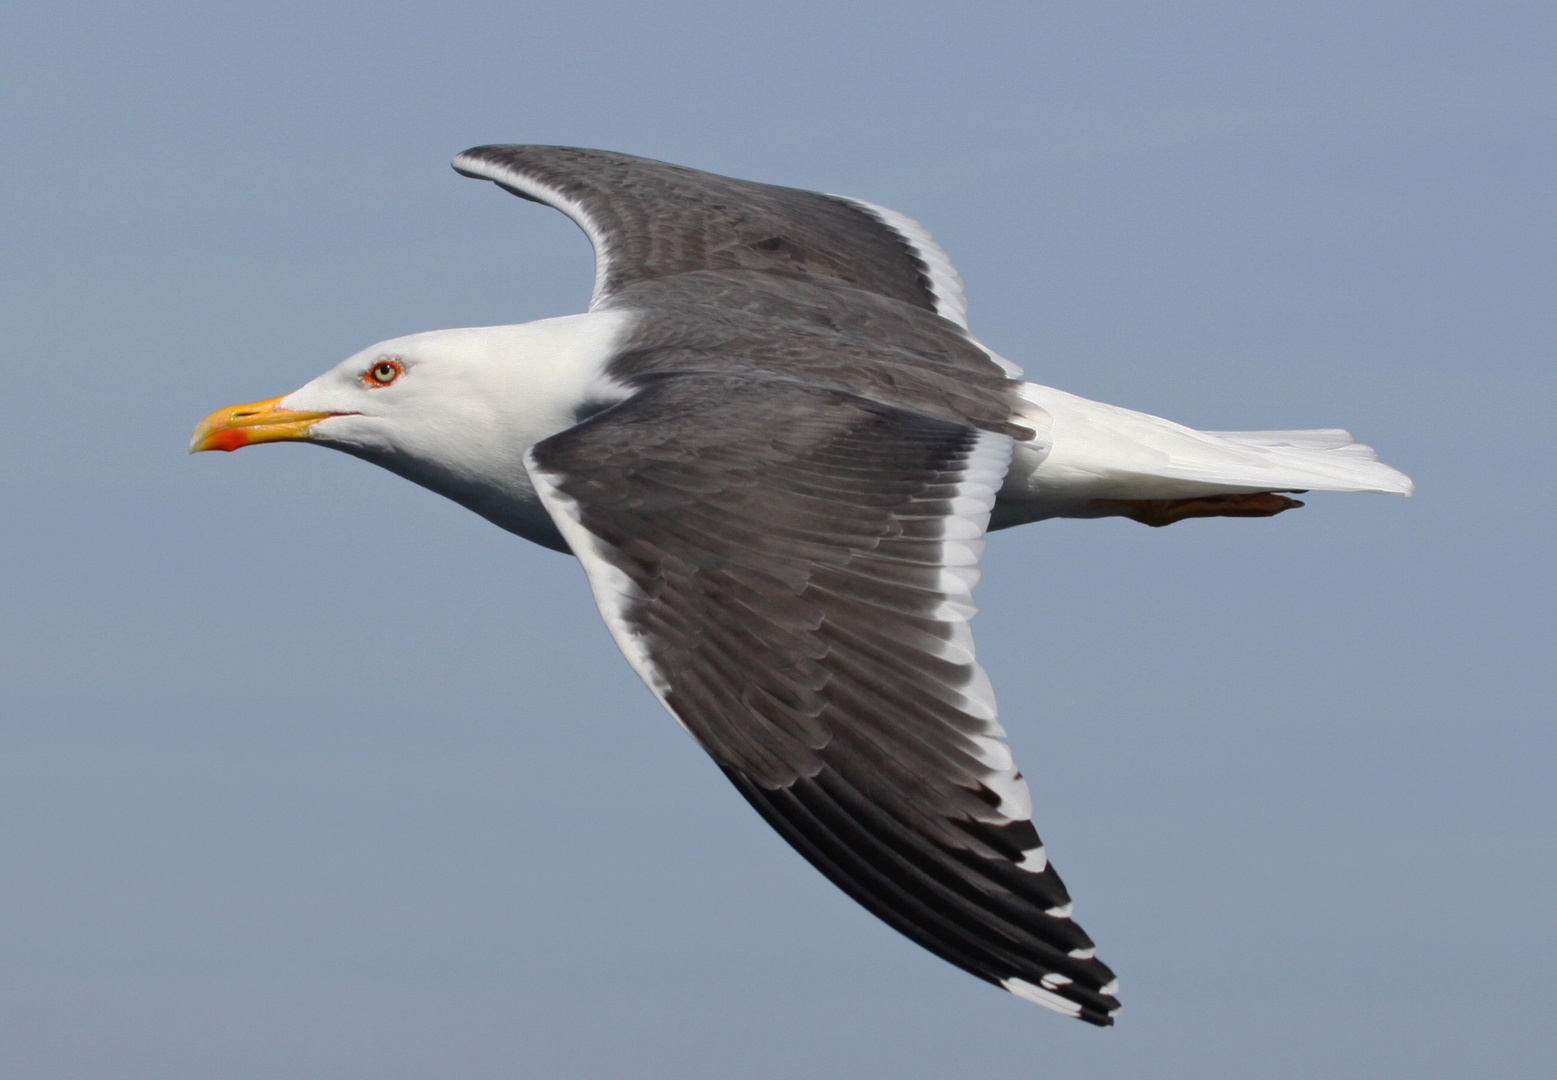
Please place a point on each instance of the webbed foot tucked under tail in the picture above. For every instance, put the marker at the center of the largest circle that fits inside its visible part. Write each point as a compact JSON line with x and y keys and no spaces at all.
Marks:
{"x":1160,"y":512}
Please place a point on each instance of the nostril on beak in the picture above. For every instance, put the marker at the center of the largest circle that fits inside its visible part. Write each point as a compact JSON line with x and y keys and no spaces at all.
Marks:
{"x":241,"y":415}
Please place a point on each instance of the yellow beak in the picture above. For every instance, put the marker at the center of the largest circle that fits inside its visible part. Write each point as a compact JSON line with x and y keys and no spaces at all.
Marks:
{"x":256,"y":422}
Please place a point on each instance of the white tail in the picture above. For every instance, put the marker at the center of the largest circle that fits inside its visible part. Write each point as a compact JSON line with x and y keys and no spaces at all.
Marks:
{"x":1088,"y":451}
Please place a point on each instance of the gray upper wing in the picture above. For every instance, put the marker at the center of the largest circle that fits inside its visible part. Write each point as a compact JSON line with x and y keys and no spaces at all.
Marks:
{"x":789,"y":568}
{"x":649,"y":219}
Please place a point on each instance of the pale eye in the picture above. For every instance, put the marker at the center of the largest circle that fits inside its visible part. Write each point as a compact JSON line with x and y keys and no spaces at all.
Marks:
{"x":383,"y":373}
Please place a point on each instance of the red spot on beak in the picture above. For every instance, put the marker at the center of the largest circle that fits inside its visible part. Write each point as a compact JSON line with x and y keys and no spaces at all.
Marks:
{"x":229,"y":440}
{"x":257,"y":422}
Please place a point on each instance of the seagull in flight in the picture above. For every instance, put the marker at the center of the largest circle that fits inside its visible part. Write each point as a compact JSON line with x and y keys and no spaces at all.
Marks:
{"x":774,"y":446}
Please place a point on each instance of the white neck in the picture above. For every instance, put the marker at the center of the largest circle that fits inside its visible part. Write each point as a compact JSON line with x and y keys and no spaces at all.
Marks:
{"x":470,"y":405}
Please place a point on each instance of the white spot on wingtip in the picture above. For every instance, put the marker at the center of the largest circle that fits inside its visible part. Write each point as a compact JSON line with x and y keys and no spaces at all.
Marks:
{"x":1039,"y":996}
{"x":1082,"y":954}
{"x":992,"y":753}
{"x":1061,"y":912}
{"x":1110,"y":988}
{"x":1034,"y":860}
{"x":1054,"y":980}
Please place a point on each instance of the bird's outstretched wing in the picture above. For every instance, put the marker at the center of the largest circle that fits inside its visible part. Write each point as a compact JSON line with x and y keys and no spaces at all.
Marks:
{"x":789,"y":569}
{"x":650,"y":219}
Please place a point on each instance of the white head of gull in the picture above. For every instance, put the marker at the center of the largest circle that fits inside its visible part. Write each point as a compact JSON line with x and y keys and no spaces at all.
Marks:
{"x":775,"y":448}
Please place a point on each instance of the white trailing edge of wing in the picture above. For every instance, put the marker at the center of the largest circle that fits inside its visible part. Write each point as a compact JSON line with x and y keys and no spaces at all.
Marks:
{"x":612,"y":588}
{"x":945,"y":283}
{"x":526,"y":186}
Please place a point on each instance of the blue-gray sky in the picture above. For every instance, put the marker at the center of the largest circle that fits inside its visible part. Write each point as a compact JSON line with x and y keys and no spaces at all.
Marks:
{"x":306,"y":772}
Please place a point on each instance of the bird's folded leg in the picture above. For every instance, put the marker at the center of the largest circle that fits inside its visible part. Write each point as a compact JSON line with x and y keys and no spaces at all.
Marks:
{"x":1160,"y":512}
